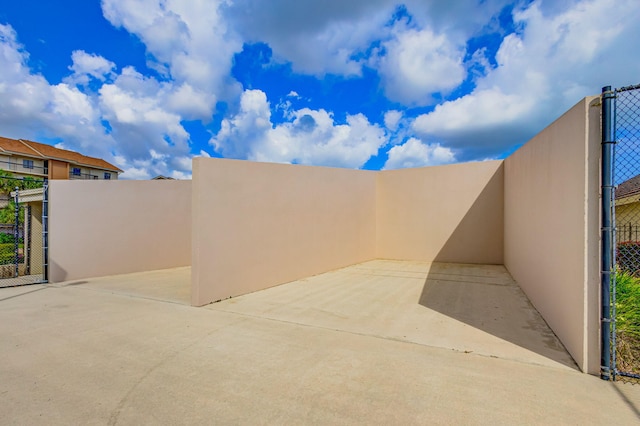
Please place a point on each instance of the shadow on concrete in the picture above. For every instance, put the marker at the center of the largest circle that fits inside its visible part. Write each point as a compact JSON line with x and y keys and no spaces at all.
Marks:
{"x":22,"y":293}
{"x":69,"y":284}
{"x":622,"y":389}
{"x":485,"y":296}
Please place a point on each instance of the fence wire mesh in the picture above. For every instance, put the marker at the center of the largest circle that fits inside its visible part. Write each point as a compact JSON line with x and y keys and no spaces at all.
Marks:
{"x":626,"y":284}
{"x":21,"y":230}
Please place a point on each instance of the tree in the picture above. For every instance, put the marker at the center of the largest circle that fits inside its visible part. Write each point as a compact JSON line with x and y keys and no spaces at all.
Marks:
{"x":8,"y":214}
{"x":8,"y":184}
{"x":31,"y":183}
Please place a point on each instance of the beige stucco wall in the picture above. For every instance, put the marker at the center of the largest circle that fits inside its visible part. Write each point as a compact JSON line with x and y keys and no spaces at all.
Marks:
{"x":35,"y":234}
{"x":101,"y":228}
{"x":551,"y":215}
{"x":628,"y":218}
{"x":257,"y":225}
{"x":447,"y":213}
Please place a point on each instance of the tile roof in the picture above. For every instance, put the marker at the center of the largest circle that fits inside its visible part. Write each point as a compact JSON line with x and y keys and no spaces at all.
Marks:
{"x":40,"y":150}
{"x":15,"y":146}
{"x":628,"y":187}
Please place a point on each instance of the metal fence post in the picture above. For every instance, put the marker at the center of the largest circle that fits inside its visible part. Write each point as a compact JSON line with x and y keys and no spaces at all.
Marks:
{"x":45,"y":231}
{"x":16,"y":232}
{"x":608,"y":141}
{"x":26,"y":240}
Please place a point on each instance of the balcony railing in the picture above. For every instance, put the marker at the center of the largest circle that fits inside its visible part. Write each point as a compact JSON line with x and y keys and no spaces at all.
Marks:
{"x":19,"y":168}
{"x":82,"y":176}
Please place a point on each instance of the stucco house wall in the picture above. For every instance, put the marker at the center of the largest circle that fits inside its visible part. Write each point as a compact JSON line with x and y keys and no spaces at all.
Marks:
{"x":628,"y":218}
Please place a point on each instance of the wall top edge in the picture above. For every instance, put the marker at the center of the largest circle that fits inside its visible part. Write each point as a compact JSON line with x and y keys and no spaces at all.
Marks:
{"x":482,"y":163}
{"x":586,"y":102}
{"x":115,"y":182}
{"x":282,"y":165}
{"x":273,"y":164}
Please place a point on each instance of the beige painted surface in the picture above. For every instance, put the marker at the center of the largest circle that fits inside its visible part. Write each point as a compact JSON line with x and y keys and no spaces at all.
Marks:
{"x":36,"y":238}
{"x":446,"y":213}
{"x":257,"y":225}
{"x":552,"y":230}
{"x":101,"y":228}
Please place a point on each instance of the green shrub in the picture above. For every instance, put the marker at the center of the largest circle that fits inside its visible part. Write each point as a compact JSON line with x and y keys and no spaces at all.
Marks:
{"x":627,"y":303}
{"x":628,"y":257}
{"x":6,"y":238}
{"x":7,"y":254}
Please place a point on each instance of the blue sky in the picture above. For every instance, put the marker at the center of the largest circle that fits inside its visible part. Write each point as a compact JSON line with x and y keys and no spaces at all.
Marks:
{"x":149,"y":84}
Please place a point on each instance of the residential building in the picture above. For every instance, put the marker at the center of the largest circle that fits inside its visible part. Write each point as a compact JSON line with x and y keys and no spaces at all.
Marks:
{"x":628,"y":210}
{"x":27,"y":158}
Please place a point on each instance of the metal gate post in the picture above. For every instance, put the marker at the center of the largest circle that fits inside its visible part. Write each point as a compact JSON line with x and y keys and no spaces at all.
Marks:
{"x":45,"y":231}
{"x":16,"y":232}
{"x":26,"y":240}
{"x":608,"y":141}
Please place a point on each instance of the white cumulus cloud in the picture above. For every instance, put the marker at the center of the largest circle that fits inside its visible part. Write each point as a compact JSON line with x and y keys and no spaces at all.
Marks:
{"x":309,"y":137}
{"x":30,"y":107}
{"x":418,"y":64}
{"x":189,"y":40}
{"x":135,"y":109}
{"x":143,"y":114}
{"x":560,"y":55}
{"x":334,"y":36}
{"x":415,"y":153}
{"x":392,"y":119}
{"x":86,"y":66}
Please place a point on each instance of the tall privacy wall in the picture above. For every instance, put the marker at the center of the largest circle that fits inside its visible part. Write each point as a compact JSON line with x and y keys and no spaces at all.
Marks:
{"x":114,"y":227}
{"x":444,"y":214}
{"x":257,"y":225}
{"x":551,"y":214}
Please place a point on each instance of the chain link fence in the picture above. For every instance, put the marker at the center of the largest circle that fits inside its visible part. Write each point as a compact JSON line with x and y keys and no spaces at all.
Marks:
{"x":22,"y":226}
{"x":626,"y":203}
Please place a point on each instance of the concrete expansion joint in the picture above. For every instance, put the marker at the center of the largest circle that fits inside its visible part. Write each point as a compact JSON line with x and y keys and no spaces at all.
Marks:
{"x":509,"y":284}
{"x":116,"y":293}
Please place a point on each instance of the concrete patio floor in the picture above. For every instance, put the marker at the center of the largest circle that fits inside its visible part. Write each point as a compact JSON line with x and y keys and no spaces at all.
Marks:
{"x":382,"y":342}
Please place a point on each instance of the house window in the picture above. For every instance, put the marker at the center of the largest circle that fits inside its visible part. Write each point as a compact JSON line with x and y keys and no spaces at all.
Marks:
{"x":27,"y":164}
{"x":107,"y":175}
{"x":76,"y":171}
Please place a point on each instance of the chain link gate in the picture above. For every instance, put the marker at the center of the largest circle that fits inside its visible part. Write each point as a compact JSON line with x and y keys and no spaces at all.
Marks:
{"x":23,"y":230}
{"x":621,"y":234}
